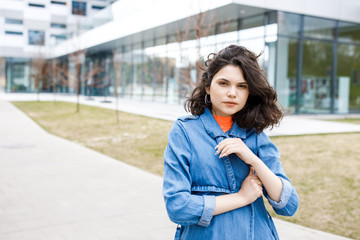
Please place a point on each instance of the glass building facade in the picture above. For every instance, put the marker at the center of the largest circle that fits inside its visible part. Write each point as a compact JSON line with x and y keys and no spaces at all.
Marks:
{"x":313,"y":63}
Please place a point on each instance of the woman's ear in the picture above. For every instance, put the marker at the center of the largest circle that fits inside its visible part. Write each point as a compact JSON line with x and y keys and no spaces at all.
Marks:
{"x":207,"y":89}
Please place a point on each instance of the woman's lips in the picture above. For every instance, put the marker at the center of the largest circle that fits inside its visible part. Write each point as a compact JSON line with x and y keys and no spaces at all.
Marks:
{"x":230,"y":104}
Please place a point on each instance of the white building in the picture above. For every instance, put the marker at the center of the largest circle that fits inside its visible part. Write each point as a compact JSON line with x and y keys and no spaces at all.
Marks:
{"x":30,"y":28}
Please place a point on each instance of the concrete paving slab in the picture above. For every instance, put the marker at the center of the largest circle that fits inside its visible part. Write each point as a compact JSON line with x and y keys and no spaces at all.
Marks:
{"x":52,"y":188}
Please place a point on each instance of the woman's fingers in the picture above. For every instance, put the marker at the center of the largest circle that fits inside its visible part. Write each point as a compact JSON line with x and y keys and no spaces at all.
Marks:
{"x":258,"y":186}
{"x":221,"y":145}
{"x":226,"y":148}
{"x":229,"y":149}
{"x":225,"y":142}
{"x":252,"y":186}
{"x":254,"y":178}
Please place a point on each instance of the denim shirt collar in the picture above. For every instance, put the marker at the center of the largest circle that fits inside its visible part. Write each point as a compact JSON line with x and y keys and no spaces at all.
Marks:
{"x":214,"y":130}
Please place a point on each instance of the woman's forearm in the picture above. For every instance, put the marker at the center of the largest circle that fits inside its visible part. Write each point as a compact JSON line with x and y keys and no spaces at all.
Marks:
{"x":270,"y":181}
{"x":250,"y":191}
{"x":229,"y":202}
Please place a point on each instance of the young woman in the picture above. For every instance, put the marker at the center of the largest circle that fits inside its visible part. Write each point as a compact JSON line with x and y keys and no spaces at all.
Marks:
{"x":219,"y":164}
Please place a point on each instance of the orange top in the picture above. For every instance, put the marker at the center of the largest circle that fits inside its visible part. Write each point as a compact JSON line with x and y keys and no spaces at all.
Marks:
{"x":224,"y":122}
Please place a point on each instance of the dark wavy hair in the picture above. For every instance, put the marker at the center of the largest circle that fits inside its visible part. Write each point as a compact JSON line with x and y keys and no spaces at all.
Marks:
{"x":261,"y":109}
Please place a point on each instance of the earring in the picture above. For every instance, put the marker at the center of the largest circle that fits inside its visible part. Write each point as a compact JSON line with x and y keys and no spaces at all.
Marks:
{"x":207,"y":100}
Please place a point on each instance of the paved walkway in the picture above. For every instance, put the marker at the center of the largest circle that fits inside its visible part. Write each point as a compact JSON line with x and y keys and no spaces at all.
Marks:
{"x":54,"y":189}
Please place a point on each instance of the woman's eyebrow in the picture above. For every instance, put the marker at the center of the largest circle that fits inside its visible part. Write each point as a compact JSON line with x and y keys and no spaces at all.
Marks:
{"x":224,"y":79}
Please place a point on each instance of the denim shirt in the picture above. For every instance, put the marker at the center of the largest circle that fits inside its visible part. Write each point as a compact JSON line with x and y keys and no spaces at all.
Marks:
{"x":194,"y":175}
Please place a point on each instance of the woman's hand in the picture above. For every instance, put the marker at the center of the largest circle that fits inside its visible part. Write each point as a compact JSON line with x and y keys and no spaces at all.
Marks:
{"x":251,"y":188}
{"x":250,"y":191}
{"x":237,"y":146}
{"x":269,"y":180}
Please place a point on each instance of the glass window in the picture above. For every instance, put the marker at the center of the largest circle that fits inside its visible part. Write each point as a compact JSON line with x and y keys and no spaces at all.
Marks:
{"x":13,"y":33}
{"x":201,"y":31}
{"x":269,"y":61}
{"x":137,"y":59}
{"x":252,"y":22}
{"x":13,"y":21}
{"x":36,"y":37}
{"x":319,"y":28}
{"x":58,"y":25}
{"x":171,"y":87}
{"x":79,"y":8}
{"x":160,"y":41}
{"x":58,"y":37}
{"x":172,"y":39}
{"x":252,"y":33}
{"x":349,"y":32}
{"x":271,"y":31}
{"x":316,"y":77}
{"x":97,"y":7}
{"x":271,"y":27}
{"x":272,"y":17}
{"x":210,"y":41}
{"x":226,"y":27}
{"x":126,"y":74}
{"x":251,"y":28}
{"x":289,"y":24}
{"x":58,"y":2}
{"x":159,"y":62}
{"x":149,"y":43}
{"x":18,"y":80}
{"x":36,"y":5}
{"x":227,"y":38}
{"x":190,"y":53}
{"x":347,"y":87}
{"x":148,"y":77}
{"x":227,"y":33}
{"x":286,"y":72}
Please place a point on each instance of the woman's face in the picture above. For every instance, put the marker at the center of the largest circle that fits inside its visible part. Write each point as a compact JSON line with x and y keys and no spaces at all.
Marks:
{"x":228,"y":91}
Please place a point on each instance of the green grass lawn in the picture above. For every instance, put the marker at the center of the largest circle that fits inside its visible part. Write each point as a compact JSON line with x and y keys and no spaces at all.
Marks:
{"x":349,"y":120}
{"x":325,"y":171}
{"x":323,"y":168}
{"x":137,"y":140}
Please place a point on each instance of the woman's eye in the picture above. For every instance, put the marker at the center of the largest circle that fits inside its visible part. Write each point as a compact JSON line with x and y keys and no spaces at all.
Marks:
{"x":243,"y":86}
{"x":223,"y":83}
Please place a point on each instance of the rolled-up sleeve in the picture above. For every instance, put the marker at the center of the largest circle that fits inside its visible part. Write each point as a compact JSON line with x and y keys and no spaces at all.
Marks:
{"x":209,"y":208}
{"x":183,"y":207}
{"x":269,"y":154}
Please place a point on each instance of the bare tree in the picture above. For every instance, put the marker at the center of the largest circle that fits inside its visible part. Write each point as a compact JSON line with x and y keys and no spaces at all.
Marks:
{"x":196,"y":27}
{"x":38,"y":71}
{"x":117,"y":65}
{"x":78,"y":58}
{"x":76,"y":78}
{"x":53,"y":75}
{"x":105,"y":79}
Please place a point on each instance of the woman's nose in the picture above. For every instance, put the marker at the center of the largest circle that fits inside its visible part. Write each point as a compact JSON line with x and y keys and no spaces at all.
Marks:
{"x":231,"y":92}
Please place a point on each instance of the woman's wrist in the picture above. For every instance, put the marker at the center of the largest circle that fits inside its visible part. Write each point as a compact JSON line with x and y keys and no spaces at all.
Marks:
{"x":242,"y":198}
{"x":256,"y":162}
{"x":250,"y":158}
